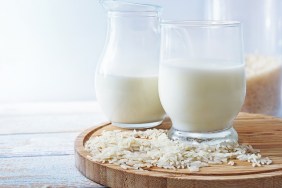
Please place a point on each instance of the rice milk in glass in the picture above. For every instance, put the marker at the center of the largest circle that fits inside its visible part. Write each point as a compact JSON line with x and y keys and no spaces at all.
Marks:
{"x":202,"y":79}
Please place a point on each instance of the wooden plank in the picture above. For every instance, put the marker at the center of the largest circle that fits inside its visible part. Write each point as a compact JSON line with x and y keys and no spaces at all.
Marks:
{"x":37,"y":108}
{"x":49,"y":117}
{"x":13,"y":124}
{"x":37,"y":144}
{"x":45,"y":171}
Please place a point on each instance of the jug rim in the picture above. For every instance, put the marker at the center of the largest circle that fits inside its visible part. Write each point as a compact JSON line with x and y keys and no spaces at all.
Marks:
{"x":121,"y":6}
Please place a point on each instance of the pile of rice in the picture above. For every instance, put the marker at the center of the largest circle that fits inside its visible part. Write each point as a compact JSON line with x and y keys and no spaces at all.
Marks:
{"x":263,"y":75}
{"x":152,"y":148}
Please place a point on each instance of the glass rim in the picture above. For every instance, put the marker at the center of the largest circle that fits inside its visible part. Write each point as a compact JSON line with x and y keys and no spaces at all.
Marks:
{"x":117,"y":7}
{"x":199,"y":23}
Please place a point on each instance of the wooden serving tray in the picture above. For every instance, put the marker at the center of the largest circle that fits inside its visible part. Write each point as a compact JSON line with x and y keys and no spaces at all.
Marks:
{"x":262,"y":132}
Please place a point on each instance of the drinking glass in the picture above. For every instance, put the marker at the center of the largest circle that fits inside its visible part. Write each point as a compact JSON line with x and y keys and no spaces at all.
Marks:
{"x":202,"y":79}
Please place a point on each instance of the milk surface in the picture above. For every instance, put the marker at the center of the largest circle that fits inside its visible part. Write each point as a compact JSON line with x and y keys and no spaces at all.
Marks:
{"x":129,"y":99}
{"x":205,"y":97}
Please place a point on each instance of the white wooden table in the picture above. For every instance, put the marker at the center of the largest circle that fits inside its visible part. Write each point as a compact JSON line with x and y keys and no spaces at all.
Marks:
{"x":37,"y":143}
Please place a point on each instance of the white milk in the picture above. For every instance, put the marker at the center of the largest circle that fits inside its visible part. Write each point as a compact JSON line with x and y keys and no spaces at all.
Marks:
{"x":202,"y":98}
{"x":128,"y":99}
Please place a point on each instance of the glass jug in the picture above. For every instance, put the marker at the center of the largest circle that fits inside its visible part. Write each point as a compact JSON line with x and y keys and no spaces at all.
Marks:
{"x":127,"y":75}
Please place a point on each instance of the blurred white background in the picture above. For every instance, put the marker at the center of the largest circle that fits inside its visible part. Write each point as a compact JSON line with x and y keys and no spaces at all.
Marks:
{"x":49,"y":48}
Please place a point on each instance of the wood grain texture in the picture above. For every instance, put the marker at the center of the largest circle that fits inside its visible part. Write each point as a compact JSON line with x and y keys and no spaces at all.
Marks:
{"x":47,"y":123}
{"x":27,"y":145}
{"x":37,"y":141}
{"x":44,"y":171}
{"x":263,"y":132}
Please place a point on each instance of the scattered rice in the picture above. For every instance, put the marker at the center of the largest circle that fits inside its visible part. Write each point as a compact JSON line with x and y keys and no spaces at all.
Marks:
{"x":152,"y":148}
{"x":232,"y":163}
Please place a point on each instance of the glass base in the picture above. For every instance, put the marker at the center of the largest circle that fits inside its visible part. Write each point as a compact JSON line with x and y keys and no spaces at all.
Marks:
{"x":137,"y":125}
{"x":210,"y":138}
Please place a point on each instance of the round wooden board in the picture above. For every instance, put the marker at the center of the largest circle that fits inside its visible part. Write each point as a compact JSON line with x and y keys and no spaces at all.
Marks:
{"x":262,"y":132}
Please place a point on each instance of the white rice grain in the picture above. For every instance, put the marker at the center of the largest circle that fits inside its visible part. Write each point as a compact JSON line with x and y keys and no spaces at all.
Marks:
{"x":144,"y":149}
